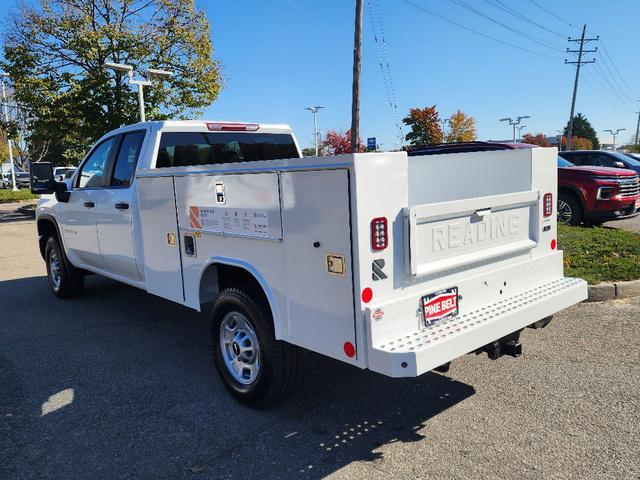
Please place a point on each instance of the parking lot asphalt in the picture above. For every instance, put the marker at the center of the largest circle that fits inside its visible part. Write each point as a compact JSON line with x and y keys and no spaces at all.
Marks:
{"x":631,"y":224}
{"x":121,"y":384}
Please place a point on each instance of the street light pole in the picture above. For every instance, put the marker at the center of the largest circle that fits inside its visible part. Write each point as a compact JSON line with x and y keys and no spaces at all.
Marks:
{"x":315,"y":110}
{"x":615,"y":134}
{"x":151,"y":72}
{"x":513,"y":123}
{"x":520,"y":127}
{"x":638,"y":129}
{"x":5,"y":109}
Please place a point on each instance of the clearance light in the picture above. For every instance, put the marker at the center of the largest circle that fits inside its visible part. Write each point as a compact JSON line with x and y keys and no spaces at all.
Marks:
{"x":547,"y":203}
{"x":379,"y":234}
{"x":233,"y":127}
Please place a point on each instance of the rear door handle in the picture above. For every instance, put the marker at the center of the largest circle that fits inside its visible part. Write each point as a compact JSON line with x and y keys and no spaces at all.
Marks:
{"x":121,"y":205}
{"x":89,"y":204}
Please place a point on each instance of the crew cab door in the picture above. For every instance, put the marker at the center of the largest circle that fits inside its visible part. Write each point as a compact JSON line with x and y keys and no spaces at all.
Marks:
{"x":114,"y":209}
{"x":78,"y":217}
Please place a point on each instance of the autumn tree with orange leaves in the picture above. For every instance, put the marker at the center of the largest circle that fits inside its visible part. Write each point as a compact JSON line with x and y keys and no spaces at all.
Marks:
{"x":425,"y":126}
{"x":462,"y":128}
{"x":537,"y":139}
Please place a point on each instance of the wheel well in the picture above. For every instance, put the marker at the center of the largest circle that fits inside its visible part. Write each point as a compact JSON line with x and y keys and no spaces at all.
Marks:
{"x":46,"y":230}
{"x":573,"y":194}
{"x":219,"y":276}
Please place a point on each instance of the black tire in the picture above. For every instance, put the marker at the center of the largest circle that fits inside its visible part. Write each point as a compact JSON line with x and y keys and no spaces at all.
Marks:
{"x":278,"y":361}
{"x":569,"y":210}
{"x":69,"y":281}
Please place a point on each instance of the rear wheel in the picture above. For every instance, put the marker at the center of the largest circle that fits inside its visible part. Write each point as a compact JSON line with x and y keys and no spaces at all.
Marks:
{"x":256,"y":369}
{"x":65,"y":281}
{"x":569,"y":210}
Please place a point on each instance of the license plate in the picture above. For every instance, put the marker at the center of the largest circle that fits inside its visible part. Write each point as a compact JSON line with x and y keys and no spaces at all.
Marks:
{"x":440,"y":305}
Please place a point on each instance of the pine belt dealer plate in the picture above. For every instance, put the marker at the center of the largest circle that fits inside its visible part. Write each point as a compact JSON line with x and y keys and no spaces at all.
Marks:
{"x":440,"y":305}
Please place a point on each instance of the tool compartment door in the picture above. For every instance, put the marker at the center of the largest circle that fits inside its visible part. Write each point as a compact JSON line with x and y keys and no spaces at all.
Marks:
{"x":317,"y":243}
{"x":160,"y":237}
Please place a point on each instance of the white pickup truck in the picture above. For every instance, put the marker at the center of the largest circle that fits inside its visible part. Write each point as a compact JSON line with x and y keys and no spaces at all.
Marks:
{"x":385,"y":261}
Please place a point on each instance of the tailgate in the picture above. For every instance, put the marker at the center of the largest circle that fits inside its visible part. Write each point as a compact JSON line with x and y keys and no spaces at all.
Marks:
{"x":455,"y":234}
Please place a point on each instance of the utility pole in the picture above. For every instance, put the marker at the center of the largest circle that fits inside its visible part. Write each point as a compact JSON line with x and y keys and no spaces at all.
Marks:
{"x":315,"y":110}
{"x":581,"y":51}
{"x":5,"y":108}
{"x":637,"y":129}
{"x":355,"y":102}
{"x":514,"y":123}
{"x":615,"y":134}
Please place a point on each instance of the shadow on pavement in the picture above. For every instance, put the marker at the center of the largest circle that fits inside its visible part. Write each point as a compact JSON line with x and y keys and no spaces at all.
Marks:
{"x":120,"y":384}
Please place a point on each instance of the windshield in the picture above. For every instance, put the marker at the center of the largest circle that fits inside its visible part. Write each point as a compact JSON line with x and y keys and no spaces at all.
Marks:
{"x":564,"y":163}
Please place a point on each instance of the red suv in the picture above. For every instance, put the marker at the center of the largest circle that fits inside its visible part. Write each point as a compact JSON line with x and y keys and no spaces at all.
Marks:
{"x":596,"y":194}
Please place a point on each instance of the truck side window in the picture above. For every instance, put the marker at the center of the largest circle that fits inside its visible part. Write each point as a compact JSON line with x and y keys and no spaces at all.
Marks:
{"x":127,"y":159}
{"x":92,"y":171}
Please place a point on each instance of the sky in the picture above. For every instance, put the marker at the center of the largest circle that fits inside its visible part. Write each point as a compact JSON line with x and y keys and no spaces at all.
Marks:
{"x":280,"y":56}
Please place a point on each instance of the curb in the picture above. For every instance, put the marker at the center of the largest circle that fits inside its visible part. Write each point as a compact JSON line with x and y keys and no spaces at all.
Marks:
{"x":612,"y":291}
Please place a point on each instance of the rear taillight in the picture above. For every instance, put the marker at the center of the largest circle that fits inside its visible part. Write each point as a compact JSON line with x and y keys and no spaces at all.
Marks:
{"x":379,"y":234}
{"x":233,"y":127}
{"x":547,"y":204}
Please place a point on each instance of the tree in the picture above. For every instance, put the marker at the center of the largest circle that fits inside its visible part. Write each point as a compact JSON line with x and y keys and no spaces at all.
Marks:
{"x":579,"y":143}
{"x":462,"y":128}
{"x":425,"y":126}
{"x":309,"y":152}
{"x":54,"y":53}
{"x":537,"y":139}
{"x":335,"y":143}
{"x":582,"y":128}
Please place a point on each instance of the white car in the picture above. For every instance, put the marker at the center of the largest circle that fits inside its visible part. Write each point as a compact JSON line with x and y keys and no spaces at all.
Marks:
{"x":60,"y":173}
{"x":385,"y":261}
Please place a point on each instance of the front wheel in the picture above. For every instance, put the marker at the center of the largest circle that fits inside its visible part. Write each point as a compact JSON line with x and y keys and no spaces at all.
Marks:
{"x":569,"y":211}
{"x":256,"y":369}
{"x":65,"y":281}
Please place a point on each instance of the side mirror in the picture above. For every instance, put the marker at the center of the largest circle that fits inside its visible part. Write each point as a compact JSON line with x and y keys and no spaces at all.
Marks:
{"x":41,"y":178}
{"x":619,"y":165}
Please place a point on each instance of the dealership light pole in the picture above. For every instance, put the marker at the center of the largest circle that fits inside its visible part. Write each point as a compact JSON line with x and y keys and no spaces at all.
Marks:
{"x":520,"y":127}
{"x":615,"y":134}
{"x":315,"y":110}
{"x":5,"y":109}
{"x":514,"y":123}
{"x":128,"y":69}
{"x":638,"y":129}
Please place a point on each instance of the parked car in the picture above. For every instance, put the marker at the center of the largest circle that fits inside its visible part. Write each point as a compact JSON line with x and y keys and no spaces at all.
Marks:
{"x":634,"y":156}
{"x":60,"y":173}
{"x":601,"y":158}
{"x":595,"y":195}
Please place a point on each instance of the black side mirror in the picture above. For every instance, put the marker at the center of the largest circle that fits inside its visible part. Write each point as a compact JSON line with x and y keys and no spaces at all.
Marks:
{"x":41,"y":178}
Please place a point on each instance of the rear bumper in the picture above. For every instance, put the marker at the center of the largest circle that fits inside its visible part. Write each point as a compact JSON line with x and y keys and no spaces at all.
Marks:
{"x":427,"y":348}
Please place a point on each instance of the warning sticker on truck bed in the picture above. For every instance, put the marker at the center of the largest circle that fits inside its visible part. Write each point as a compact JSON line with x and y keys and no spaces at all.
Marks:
{"x":236,"y":221}
{"x":439,"y":305}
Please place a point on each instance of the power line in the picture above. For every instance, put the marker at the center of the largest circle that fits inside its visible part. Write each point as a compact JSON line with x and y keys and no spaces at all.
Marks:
{"x":613,"y":89}
{"x":532,"y":38}
{"x":600,"y":89}
{"x":557,"y":17}
{"x":506,"y":8}
{"x":445,"y":19}
{"x":635,"y":95}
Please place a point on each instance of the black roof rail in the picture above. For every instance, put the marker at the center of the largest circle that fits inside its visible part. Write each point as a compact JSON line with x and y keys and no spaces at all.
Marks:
{"x":461,"y":147}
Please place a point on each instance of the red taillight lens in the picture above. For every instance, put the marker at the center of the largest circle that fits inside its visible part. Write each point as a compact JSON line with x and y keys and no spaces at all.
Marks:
{"x":547,"y":204}
{"x":379,"y":234}
{"x":233,"y":127}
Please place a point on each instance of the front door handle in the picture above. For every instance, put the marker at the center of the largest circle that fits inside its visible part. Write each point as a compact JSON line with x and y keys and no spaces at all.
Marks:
{"x":121,"y":205}
{"x":89,"y":204}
